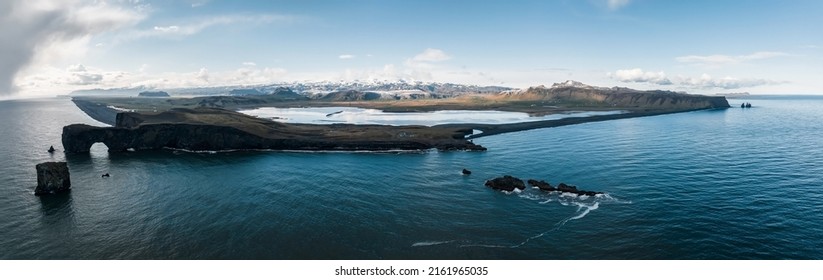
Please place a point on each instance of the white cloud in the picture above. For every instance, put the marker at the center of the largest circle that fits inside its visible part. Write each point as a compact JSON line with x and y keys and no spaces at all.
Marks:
{"x":37,"y":33}
{"x":617,"y":4}
{"x":200,"y":3}
{"x":198,"y":26}
{"x":637,"y":75}
{"x":708,"y":82}
{"x":203,"y":75}
{"x":719,"y":60}
{"x":346,"y":56}
{"x":167,"y":29}
{"x":77,"y":68}
{"x":249,"y":63}
{"x":85,"y":78}
{"x":431,"y":55}
{"x":705,"y":81}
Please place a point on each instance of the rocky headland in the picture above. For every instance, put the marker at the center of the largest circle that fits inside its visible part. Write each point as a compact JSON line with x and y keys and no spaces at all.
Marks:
{"x":209,"y":129}
{"x":210,"y":123}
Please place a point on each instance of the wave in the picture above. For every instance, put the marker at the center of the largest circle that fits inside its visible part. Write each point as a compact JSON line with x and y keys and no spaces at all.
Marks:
{"x":431,"y":243}
{"x":584,"y":204}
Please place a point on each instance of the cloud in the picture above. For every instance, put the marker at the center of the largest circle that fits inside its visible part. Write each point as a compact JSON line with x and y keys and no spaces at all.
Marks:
{"x":617,"y":4}
{"x":34,"y":31}
{"x":77,"y":68}
{"x":346,"y":56}
{"x":637,"y":75}
{"x":86,"y":79}
{"x":167,"y":29}
{"x":431,"y":55}
{"x":249,"y":63}
{"x":197,"y":26}
{"x":200,"y":3}
{"x":203,"y":75}
{"x":707,"y":82}
{"x":719,"y":60}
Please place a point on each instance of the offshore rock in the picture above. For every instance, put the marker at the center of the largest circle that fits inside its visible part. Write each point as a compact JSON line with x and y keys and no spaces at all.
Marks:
{"x":506,"y":183}
{"x":573,"y":189}
{"x":52,"y":177}
{"x":466,"y":172}
{"x":542,"y":185}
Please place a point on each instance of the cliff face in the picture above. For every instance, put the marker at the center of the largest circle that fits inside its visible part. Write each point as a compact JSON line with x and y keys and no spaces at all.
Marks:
{"x":52,"y":177}
{"x":220,"y":130}
{"x":619,"y":97}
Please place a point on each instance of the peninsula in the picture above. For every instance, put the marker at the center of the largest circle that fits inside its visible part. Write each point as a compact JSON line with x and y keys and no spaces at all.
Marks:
{"x":210,"y":123}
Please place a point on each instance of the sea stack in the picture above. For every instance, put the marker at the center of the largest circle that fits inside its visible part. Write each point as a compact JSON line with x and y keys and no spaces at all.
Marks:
{"x":52,"y":177}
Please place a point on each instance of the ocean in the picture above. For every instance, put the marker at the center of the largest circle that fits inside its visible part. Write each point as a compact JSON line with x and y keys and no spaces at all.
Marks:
{"x":714,"y":184}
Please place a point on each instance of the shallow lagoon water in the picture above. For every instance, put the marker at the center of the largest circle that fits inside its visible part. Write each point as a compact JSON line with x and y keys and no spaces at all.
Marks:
{"x":715,"y":184}
{"x":353,"y":115}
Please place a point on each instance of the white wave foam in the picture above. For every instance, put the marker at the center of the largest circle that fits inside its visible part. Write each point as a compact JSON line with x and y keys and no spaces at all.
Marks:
{"x":586,"y":210}
{"x":431,"y":243}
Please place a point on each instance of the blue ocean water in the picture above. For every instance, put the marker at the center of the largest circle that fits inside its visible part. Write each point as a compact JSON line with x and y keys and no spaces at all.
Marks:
{"x":715,"y":184}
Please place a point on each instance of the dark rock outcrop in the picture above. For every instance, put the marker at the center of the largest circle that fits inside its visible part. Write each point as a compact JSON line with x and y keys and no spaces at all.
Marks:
{"x":562,"y":187}
{"x":466,"y":172}
{"x":542,"y":185}
{"x":52,"y":177}
{"x":51,"y":149}
{"x":506,"y":183}
{"x":573,"y":189}
{"x":220,"y":130}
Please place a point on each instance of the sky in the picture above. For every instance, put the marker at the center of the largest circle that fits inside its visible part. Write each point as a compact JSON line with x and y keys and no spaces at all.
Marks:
{"x":757,"y":46}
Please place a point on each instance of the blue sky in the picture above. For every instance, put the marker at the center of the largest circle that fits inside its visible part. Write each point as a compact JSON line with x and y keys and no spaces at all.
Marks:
{"x":695,"y":46}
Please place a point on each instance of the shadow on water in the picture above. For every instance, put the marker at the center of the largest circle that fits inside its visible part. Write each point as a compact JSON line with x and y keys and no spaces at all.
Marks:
{"x":56,"y":207}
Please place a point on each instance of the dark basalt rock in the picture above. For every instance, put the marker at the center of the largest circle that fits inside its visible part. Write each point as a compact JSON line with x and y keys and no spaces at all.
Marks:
{"x":51,"y":149}
{"x":466,"y":172}
{"x":542,"y":185}
{"x":573,"y":189}
{"x":52,"y":177}
{"x":506,"y":183}
{"x":187,"y":129}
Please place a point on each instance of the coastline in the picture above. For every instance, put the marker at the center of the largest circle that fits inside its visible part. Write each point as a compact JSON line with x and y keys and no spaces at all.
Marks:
{"x":214,"y":123}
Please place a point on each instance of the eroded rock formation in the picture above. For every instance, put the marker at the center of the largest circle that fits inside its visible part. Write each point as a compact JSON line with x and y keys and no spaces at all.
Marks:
{"x":52,"y":177}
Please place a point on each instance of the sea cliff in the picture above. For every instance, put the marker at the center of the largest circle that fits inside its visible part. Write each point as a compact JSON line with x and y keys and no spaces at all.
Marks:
{"x":222,"y":130}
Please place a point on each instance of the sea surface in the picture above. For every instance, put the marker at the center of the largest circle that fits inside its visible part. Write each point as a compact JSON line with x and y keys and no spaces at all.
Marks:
{"x":714,"y":184}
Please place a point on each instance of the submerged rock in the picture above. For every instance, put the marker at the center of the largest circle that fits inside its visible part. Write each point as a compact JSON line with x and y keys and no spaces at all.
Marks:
{"x":506,"y":183}
{"x":52,"y":177}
